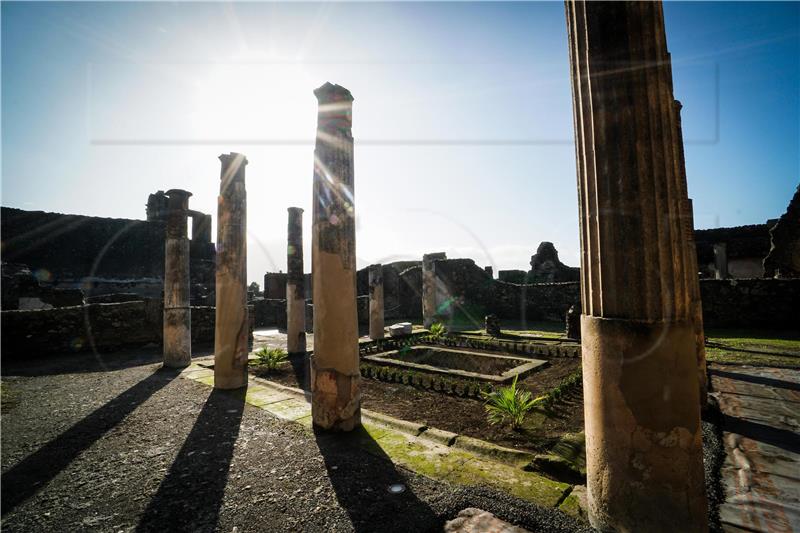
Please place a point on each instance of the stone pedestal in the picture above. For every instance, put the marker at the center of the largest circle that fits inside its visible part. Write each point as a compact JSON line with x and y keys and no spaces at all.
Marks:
{"x":335,"y":376}
{"x":492,"y":325}
{"x":721,"y":260}
{"x":430,"y":289}
{"x":640,"y":369}
{"x":375,"y":302}
{"x":295,"y":285}
{"x":177,"y":313}
{"x":231,"y":328}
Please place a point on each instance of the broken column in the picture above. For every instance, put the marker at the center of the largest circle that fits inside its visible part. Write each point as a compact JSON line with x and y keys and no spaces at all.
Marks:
{"x":335,"y":376}
{"x":295,"y":285}
{"x":231,"y":328}
{"x":375,"y":302}
{"x":641,"y":395}
{"x":721,"y":260}
{"x":430,"y":289}
{"x":177,"y":313}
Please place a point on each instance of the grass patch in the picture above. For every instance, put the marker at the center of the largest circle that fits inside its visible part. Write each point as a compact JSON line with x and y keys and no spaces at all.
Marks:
{"x":753,"y":347}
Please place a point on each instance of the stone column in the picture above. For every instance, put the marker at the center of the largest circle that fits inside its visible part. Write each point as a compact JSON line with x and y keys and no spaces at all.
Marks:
{"x":641,"y":395}
{"x":295,"y":285}
{"x":335,"y":377}
{"x":177,"y":313}
{"x":430,"y":289}
{"x":721,"y":260}
{"x":375,"y":302}
{"x":231,"y":328}
{"x":690,"y":255}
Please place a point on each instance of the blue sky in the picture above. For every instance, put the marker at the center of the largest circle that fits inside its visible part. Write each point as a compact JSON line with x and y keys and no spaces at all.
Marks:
{"x":462,"y":115}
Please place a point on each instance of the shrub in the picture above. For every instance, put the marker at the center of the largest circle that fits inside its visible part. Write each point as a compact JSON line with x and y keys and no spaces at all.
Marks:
{"x":508,"y":403}
{"x":270,"y":358}
{"x":437,"y":330}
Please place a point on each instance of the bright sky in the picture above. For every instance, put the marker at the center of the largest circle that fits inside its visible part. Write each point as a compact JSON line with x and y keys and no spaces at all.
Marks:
{"x":462,"y":115}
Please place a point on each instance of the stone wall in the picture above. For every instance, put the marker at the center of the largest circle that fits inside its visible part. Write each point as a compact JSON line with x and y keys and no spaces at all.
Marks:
{"x":751,"y":303}
{"x":98,"y":255}
{"x":101,"y":327}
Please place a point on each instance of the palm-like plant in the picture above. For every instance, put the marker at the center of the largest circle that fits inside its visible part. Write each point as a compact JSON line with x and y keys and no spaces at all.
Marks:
{"x":437,"y":330}
{"x":508,"y":403}
{"x":270,"y":358}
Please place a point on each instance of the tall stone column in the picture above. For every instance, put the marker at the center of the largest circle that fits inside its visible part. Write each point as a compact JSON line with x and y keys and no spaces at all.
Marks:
{"x":692,"y":271}
{"x":430,"y":289}
{"x":177,"y":313}
{"x":335,"y":377}
{"x":231,"y":328}
{"x":641,"y":395}
{"x":295,"y":285}
{"x":721,"y":260}
{"x":375,"y":302}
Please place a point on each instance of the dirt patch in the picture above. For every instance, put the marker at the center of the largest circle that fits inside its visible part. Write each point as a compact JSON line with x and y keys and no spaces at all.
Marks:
{"x":467,"y":416}
{"x":458,"y":360}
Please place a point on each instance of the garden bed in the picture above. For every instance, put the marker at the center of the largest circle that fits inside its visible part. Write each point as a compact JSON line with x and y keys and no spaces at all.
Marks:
{"x":466,"y":415}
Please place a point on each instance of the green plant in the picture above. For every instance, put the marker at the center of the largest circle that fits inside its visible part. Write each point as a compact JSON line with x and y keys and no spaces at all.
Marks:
{"x":508,"y":403}
{"x":270,"y":358}
{"x":437,"y":330}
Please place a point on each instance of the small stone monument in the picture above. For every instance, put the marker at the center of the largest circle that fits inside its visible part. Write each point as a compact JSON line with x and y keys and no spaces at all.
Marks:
{"x":492,"y":325}
{"x":573,"y":323}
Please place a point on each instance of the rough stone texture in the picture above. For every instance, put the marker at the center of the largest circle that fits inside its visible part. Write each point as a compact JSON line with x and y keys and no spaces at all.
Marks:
{"x":750,"y":303}
{"x":21,"y":289}
{"x":103,"y":327}
{"x":783,"y":260}
{"x":547,"y":268}
{"x":98,"y":255}
{"x":295,"y":285}
{"x":573,"y":321}
{"x":491,"y":324}
{"x":177,"y":314}
{"x":747,"y":246}
{"x":641,"y":391}
{"x":512,"y":276}
{"x":275,"y":285}
{"x":376,"y":302}
{"x":761,"y":435}
{"x":473,"y":520}
{"x":335,"y":376}
{"x":433,"y":293}
{"x":230,"y":336}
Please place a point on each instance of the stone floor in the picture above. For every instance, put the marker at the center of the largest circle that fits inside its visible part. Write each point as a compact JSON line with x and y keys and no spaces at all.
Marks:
{"x":761,"y":433}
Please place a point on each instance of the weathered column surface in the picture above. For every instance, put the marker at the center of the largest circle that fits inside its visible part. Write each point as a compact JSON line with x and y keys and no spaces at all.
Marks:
{"x":430,"y":289}
{"x":230,"y":333}
{"x":177,"y":313}
{"x":721,"y":260}
{"x":295,"y":285}
{"x":641,"y":391}
{"x":375,"y":301}
{"x":335,"y":377}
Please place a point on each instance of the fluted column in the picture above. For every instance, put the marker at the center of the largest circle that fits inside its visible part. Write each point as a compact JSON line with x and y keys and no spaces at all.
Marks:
{"x":335,"y":377}
{"x":177,"y":313}
{"x":231,"y":328}
{"x":690,"y":260}
{"x":295,"y":285}
{"x":641,"y":391}
{"x":375,"y":301}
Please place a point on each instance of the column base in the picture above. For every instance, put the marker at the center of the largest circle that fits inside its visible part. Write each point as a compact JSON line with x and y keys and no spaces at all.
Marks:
{"x":335,"y":399}
{"x":644,"y":449}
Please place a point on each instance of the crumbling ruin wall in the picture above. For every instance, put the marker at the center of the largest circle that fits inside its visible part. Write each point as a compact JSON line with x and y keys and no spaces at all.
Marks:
{"x":751,"y":303}
{"x":783,"y":260}
{"x":101,"y":327}
{"x":98,"y":255}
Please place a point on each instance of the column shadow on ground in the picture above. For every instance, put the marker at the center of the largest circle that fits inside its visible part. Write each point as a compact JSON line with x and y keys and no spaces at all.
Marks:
{"x":190,"y":496}
{"x":302,"y":373}
{"x":35,"y":471}
{"x":778,"y":437}
{"x":759,"y":380}
{"x":361,"y":481}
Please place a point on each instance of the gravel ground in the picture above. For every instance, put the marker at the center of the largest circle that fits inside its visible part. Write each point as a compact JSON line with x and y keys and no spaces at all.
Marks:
{"x":119,"y":445}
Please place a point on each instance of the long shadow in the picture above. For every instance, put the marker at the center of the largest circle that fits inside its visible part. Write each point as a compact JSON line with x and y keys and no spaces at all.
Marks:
{"x":302,"y":372}
{"x":26,"y":478}
{"x":361,"y":474}
{"x":729,"y":348}
{"x":190,"y":496}
{"x":760,"y":380}
{"x":780,"y":438}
